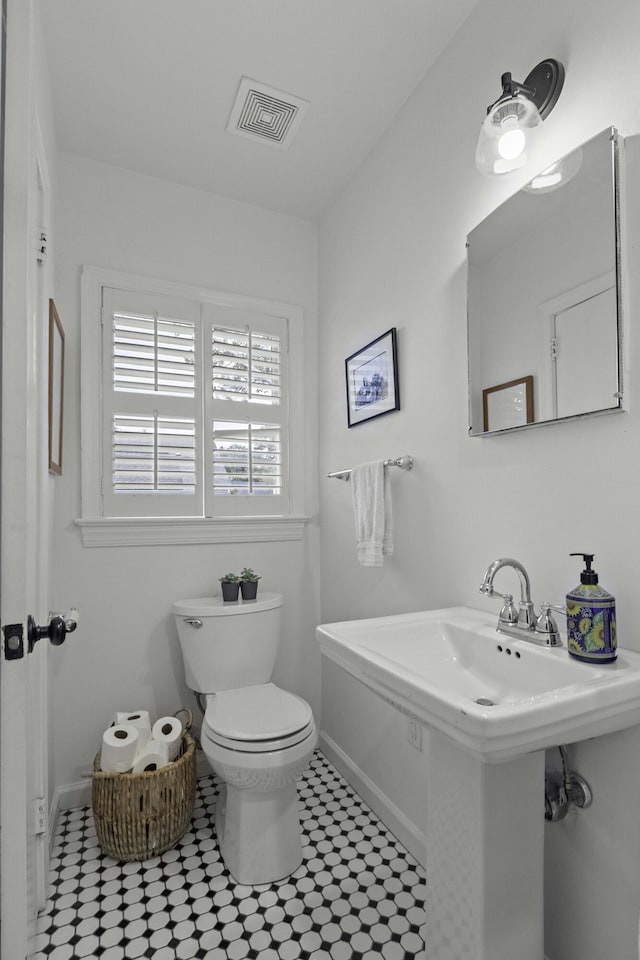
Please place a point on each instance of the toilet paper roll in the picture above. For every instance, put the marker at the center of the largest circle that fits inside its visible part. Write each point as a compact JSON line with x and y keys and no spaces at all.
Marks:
{"x":119,"y":748}
{"x":153,"y":757}
{"x":168,"y":730}
{"x":139,"y":719}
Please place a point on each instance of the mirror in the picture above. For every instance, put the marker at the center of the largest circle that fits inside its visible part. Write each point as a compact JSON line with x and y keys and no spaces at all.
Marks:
{"x":543,"y":290}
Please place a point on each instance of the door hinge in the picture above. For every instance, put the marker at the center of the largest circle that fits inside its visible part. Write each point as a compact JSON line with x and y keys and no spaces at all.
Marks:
{"x":41,"y":255}
{"x":13,"y":641}
{"x":553,"y":347}
{"x":39,"y":816}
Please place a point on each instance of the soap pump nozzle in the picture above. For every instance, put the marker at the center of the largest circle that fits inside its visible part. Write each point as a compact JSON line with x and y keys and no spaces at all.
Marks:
{"x":588,"y":575}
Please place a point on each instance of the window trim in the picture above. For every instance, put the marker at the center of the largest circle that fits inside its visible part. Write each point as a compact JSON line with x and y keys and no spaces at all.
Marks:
{"x":154,"y":531}
{"x":96,"y":529}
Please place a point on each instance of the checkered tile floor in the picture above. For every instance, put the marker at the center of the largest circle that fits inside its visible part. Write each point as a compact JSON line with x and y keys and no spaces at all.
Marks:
{"x":358,"y":894}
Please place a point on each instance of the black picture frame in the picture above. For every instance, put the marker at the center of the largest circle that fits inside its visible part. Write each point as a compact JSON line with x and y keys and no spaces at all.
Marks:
{"x":373,"y":387}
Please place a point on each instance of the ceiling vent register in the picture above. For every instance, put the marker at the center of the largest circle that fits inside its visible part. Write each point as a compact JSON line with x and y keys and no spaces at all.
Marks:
{"x":266,"y":114}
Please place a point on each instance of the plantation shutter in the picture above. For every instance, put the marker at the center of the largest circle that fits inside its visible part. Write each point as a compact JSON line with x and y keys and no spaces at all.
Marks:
{"x":246,"y":413}
{"x":152,"y":402}
{"x":195,"y":411}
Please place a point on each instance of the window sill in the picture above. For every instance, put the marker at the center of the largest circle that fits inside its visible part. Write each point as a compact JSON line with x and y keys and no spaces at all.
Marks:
{"x":152,"y":531}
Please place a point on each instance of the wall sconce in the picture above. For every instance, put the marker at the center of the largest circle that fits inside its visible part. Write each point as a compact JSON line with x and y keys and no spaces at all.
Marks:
{"x":507,"y":129}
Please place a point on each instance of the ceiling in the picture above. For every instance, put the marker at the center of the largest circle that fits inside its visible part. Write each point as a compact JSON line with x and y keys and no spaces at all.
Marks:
{"x":149,"y":85}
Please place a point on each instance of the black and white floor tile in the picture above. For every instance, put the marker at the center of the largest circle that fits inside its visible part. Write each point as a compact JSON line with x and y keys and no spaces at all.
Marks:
{"x":358,"y":894}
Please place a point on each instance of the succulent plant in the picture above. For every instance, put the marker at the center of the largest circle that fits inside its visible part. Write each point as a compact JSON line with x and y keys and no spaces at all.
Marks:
{"x":249,"y":576}
{"x":230,"y":578}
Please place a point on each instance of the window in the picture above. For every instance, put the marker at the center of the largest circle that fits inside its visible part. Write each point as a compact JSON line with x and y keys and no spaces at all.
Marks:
{"x":193,"y":416}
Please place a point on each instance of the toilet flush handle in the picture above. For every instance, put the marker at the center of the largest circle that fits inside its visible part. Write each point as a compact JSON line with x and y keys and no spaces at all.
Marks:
{"x":193,"y":621}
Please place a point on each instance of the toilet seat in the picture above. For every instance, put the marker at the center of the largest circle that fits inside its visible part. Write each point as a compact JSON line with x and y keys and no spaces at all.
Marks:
{"x":257,"y":719}
{"x":261,"y":746}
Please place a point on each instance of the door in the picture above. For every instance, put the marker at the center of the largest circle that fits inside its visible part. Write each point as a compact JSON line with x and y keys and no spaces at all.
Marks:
{"x":22,"y":507}
{"x":579,"y":368}
{"x":586,"y":356}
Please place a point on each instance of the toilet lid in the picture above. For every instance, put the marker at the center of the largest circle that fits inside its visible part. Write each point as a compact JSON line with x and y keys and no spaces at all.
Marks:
{"x":262,"y":712}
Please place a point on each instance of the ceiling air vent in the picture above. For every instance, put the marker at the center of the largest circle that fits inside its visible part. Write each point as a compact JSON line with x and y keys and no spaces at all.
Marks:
{"x":265,"y":114}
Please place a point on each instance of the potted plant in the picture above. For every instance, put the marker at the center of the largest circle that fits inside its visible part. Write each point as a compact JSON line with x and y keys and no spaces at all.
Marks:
{"x":230,"y":585}
{"x":249,"y":583}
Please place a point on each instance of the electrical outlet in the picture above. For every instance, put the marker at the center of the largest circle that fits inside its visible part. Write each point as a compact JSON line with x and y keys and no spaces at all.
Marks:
{"x":415,"y":733}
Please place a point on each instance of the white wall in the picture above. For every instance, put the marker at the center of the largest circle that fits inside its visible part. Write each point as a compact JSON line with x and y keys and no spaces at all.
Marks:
{"x":366,"y":738}
{"x":392,"y":253}
{"x":125,"y":653}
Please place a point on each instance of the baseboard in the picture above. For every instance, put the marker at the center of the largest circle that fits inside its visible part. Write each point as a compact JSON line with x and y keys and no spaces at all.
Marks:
{"x":70,"y":796}
{"x":202,"y":765}
{"x":407,"y":833}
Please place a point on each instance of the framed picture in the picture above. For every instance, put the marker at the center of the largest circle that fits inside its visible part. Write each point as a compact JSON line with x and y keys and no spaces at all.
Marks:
{"x":508,"y":404}
{"x":56,"y":389}
{"x":372,"y":379}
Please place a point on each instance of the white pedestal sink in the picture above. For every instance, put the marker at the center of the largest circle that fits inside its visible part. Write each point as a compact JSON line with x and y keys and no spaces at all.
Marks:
{"x":494,"y":704}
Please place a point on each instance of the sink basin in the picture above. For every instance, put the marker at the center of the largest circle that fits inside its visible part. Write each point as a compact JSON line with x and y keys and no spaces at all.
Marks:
{"x":499,"y":697}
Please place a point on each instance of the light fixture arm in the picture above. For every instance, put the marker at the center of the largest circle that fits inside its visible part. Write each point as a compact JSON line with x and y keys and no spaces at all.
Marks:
{"x":510,"y":88}
{"x":542,"y":86}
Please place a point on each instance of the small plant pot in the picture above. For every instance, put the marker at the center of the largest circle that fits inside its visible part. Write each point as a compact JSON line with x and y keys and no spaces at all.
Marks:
{"x":249,"y":589}
{"x":230,"y":592}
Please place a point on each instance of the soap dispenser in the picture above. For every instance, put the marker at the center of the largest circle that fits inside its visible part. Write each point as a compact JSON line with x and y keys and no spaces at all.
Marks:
{"x":591,"y":618}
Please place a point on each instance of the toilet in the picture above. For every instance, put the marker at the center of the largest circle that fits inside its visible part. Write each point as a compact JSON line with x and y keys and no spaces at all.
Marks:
{"x":257,"y":737}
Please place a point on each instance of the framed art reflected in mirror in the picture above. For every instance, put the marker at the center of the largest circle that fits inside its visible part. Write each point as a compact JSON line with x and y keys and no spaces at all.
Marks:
{"x":56,"y":389}
{"x":508,"y":404}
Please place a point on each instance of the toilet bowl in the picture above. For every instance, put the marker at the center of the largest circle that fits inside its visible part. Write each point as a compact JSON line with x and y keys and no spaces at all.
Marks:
{"x":259,"y":759}
{"x":257,"y":737}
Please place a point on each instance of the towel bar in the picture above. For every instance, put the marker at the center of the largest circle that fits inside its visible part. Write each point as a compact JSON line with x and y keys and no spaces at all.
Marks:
{"x":405,"y":463}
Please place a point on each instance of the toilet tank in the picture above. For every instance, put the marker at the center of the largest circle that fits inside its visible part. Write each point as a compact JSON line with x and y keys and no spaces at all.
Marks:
{"x":228,"y":645}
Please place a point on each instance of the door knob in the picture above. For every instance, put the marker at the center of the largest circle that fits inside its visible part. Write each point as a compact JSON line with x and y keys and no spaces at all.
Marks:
{"x":56,"y":629}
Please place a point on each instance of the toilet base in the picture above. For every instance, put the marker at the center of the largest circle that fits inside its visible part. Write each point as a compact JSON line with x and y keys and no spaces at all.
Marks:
{"x":259,"y":833}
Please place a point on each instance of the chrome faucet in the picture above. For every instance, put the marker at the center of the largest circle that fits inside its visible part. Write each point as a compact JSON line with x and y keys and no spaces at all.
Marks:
{"x":521,"y":622}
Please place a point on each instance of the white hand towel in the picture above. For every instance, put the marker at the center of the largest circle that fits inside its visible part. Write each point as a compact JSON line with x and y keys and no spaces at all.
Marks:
{"x":372,"y":513}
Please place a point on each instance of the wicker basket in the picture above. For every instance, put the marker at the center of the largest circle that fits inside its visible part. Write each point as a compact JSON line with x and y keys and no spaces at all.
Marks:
{"x":140,"y":815}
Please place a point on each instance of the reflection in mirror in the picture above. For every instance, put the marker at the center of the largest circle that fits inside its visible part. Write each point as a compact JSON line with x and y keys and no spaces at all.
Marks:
{"x":543,"y":297}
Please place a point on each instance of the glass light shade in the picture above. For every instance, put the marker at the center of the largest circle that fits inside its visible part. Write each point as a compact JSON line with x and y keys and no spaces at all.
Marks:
{"x":505,"y":135}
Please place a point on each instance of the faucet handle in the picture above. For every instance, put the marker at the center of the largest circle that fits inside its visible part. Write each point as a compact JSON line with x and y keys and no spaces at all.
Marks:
{"x":489,"y":591}
{"x":546,"y":625}
{"x":508,"y":613}
{"x":553,"y":606}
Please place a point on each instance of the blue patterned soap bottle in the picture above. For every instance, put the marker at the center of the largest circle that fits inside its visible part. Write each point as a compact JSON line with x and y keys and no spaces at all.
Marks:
{"x":591,"y":618}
